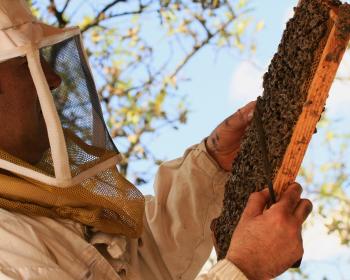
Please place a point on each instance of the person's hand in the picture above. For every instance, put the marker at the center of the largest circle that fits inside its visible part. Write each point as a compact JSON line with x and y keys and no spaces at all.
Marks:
{"x":224,"y":142}
{"x":267,"y":243}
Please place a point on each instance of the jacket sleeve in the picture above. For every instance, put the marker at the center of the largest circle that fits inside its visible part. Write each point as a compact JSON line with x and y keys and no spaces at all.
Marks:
{"x":223,"y":270}
{"x":188,"y":195}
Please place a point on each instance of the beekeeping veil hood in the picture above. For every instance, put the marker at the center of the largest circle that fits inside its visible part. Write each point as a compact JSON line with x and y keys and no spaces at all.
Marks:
{"x":76,"y":176}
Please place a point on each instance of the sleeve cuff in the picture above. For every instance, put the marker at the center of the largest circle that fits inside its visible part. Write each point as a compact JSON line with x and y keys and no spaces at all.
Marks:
{"x":209,"y":166}
{"x":205,"y":160}
{"x":225,"y":269}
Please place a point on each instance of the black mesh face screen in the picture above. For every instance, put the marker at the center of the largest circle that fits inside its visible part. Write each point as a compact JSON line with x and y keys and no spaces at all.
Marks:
{"x":76,"y":98}
{"x":77,"y":104}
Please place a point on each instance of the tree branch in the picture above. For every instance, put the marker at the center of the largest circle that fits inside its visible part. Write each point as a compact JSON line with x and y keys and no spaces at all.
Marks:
{"x":58,"y":14}
{"x":197,"y":47}
{"x":101,"y":14}
{"x":102,"y":17}
{"x":202,"y":22}
{"x":65,"y":6}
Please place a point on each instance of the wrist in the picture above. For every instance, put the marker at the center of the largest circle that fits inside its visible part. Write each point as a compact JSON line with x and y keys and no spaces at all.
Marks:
{"x":247,"y":267}
{"x":211,"y":150}
{"x":225,"y":269}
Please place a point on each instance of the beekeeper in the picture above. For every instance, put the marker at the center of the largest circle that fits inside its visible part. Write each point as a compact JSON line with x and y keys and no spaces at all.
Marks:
{"x":66,"y":212}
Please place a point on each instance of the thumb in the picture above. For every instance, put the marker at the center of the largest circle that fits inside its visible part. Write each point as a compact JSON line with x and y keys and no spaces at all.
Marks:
{"x":256,"y":204}
{"x":241,"y":118}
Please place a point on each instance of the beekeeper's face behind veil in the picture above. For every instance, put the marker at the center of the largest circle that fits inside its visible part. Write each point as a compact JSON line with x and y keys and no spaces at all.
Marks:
{"x":23,"y":131}
{"x":53,"y":138}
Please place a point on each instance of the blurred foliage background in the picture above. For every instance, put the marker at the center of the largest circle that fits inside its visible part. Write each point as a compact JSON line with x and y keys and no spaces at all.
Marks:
{"x":138,"y":81}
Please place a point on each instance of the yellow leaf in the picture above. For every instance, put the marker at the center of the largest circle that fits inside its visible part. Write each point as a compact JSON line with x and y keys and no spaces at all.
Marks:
{"x":221,"y":42}
{"x":253,"y":48}
{"x":242,"y":26}
{"x":86,"y":21}
{"x":132,"y":138}
{"x":95,"y":37}
{"x":238,"y":44}
{"x":171,"y":81}
{"x":215,"y":3}
{"x":139,"y":149}
{"x":135,"y":119}
{"x":260,"y":25}
{"x":329,"y":136}
{"x":242,"y":3}
{"x":182,"y":28}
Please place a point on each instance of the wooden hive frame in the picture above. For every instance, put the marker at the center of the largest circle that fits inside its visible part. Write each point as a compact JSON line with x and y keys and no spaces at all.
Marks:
{"x":320,"y":85}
